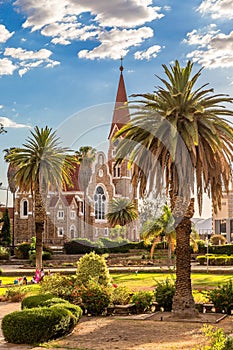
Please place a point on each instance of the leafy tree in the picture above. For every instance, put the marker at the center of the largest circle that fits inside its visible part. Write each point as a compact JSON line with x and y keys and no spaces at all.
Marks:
{"x":162,"y":227}
{"x":6,"y":229}
{"x":178,"y":138}
{"x":41,"y":164}
{"x":121,"y":212}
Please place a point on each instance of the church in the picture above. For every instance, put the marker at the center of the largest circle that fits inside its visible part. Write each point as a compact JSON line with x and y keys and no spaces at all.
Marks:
{"x":73,"y":213}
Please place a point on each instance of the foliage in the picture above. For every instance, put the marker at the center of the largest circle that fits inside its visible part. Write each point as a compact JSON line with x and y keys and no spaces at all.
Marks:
{"x":217,"y":338}
{"x":4,"y":253}
{"x":222,"y":297}
{"x":58,"y":285}
{"x":93,"y":266}
{"x":33,"y":301}
{"x":15,"y":294}
{"x":31,"y":326}
{"x":2,"y":130}
{"x":6,"y":229}
{"x":121,"y":211}
{"x":92,"y":297}
{"x":22,"y":250}
{"x":215,"y":260}
{"x":150,"y":207}
{"x":118,"y":232}
{"x":164,"y":292}
{"x":142,"y":300}
{"x":217,"y":239}
{"x":120,"y":295}
{"x":221,"y":249}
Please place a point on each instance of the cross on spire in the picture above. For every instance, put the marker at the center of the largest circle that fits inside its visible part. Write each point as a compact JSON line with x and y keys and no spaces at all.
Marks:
{"x":121,"y":67}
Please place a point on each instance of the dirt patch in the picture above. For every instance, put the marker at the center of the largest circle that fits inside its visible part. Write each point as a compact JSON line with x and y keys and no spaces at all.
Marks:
{"x":142,"y":334}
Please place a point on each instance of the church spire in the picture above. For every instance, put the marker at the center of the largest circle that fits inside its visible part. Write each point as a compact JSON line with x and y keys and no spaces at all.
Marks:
{"x":121,"y":112}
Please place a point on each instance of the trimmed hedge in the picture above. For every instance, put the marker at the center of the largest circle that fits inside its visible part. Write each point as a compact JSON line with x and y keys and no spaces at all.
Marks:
{"x":102,"y":246}
{"x":33,"y":301}
{"x":37,"y":325}
{"x":215,"y":260}
{"x":221,"y":249}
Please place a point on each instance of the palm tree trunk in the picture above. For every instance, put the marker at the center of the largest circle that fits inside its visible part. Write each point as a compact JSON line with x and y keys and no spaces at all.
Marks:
{"x":183,"y":303}
{"x":39,"y":225}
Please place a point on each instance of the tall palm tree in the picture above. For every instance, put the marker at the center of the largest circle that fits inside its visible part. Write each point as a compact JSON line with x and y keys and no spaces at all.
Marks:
{"x":85,"y":156}
{"x":163,"y":226}
{"x":121,"y":211}
{"x":41,"y":164}
{"x":179,"y":138}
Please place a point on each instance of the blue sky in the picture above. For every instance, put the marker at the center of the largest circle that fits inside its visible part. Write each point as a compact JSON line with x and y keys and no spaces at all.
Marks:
{"x":59,"y":60}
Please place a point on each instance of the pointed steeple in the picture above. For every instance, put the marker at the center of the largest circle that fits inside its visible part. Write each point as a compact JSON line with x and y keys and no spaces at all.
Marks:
{"x":121,"y":112}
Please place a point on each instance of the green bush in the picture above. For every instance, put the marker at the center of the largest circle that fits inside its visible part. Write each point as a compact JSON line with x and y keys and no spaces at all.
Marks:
{"x":22,"y":250}
{"x":33,"y":301}
{"x":221,"y":249}
{"x":93,"y":266}
{"x":95,"y":298}
{"x":37,"y":325}
{"x":217,"y":338}
{"x":120,"y":295}
{"x":222,"y":297}
{"x":201,"y":259}
{"x":164,"y":293}
{"x":57,"y":284}
{"x":4,"y":253}
{"x":142,"y":300}
{"x":15,"y":294}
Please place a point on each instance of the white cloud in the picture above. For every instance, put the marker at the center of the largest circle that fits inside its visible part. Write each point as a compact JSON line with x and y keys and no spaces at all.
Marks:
{"x":217,"y":53}
{"x":8,"y":123}
{"x":4,"y":34}
{"x":148,"y":54}
{"x":201,"y":37}
{"x":116,"y":43}
{"x":6,"y":67}
{"x":62,"y":21}
{"x":1,"y":106}
{"x":27,"y":60}
{"x":217,"y":8}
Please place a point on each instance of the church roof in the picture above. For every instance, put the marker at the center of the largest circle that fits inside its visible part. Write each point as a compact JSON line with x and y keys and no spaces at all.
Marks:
{"x":121,"y":112}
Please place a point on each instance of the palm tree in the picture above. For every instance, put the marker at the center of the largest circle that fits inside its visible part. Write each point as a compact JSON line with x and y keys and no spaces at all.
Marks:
{"x":41,"y":164}
{"x":163,"y":226}
{"x":121,"y":211}
{"x":85,"y":156}
{"x":179,"y":138}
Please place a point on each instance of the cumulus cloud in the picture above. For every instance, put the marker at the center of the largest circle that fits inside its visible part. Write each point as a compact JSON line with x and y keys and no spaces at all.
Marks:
{"x":116,"y":43}
{"x":8,"y":123}
{"x":217,"y":52}
{"x":1,"y":106}
{"x":148,"y":54}
{"x":4,"y":34}
{"x":27,"y":60}
{"x":7,"y":67}
{"x":217,"y":8}
{"x":63,"y":21}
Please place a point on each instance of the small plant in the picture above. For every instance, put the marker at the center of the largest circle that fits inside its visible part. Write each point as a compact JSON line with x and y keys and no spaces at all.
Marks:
{"x":142,"y":300}
{"x":15,"y":294}
{"x":4,"y":253}
{"x":120,"y":295}
{"x":217,"y":338}
{"x":222,"y":297}
{"x":58,"y":285}
{"x":93,"y":266}
{"x":164,"y":293}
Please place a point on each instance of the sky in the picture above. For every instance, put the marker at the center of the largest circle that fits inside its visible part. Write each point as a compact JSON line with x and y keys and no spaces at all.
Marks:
{"x":59,"y":60}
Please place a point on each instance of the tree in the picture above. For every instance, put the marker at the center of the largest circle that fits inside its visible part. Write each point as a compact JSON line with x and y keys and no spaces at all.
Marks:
{"x":85,"y":156}
{"x":163,"y":226}
{"x":41,"y":164}
{"x":6,"y":229}
{"x":179,"y":138}
{"x":150,"y":207}
{"x":121,"y":212}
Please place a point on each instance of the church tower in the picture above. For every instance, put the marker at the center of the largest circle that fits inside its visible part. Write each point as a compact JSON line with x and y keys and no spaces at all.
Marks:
{"x":121,"y":175}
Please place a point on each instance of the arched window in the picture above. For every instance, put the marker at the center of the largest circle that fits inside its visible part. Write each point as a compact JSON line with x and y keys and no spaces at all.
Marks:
{"x":100,"y":203}
{"x":24,"y":208}
{"x":72,"y":231}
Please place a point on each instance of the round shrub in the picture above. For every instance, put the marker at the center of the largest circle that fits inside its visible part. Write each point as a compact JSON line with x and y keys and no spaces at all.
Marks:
{"x":142,"y":300}
{"x":53,"y":301}
{"x":57,"y":284}
{"x":35,"y":300}
{"x":120,"y":295}
{"x":37,"y":325}
{"x":93,"y":266}
{"x":164,"y":294}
